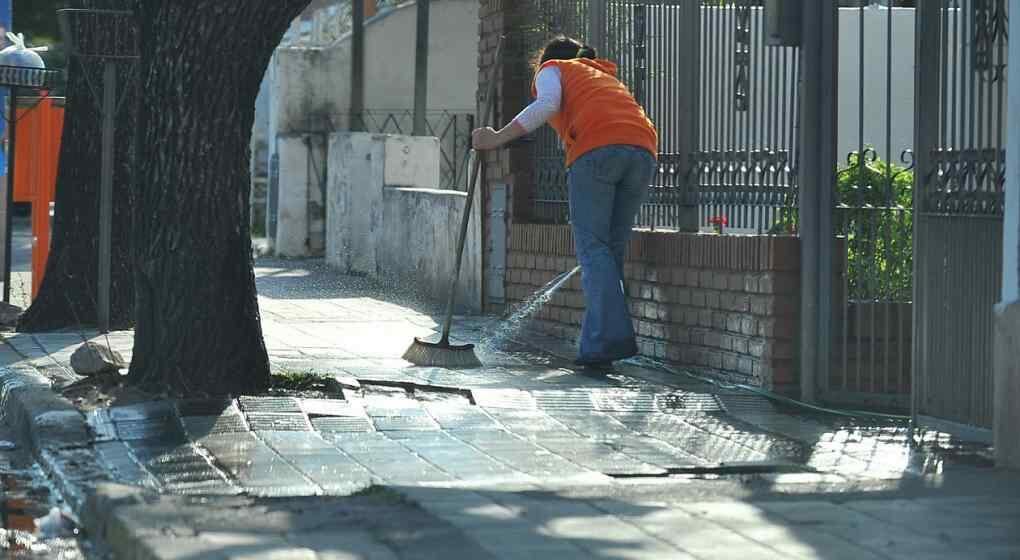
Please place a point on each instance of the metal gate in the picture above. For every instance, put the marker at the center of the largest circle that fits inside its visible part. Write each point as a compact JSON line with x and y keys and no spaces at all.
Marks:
{"x":918,"y":207}
{"x":961,"y":161}
{"x":873,"y":214}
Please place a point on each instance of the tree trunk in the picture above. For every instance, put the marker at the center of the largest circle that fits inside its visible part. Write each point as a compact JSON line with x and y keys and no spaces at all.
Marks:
{"x":67,"y":295}
{"x":198,"y":330}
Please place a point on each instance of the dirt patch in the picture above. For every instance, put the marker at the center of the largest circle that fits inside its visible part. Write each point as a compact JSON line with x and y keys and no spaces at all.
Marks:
{"x":304,"y":386}
{"x":101,"y":391}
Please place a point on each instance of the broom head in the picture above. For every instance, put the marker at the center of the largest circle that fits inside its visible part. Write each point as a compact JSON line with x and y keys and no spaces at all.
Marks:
{"x":442,"y":354}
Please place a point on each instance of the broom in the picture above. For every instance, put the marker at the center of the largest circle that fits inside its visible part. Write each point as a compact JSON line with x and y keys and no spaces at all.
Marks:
{"x":442,"y":353}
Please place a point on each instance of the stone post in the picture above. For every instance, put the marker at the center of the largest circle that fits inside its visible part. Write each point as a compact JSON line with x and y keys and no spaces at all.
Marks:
{"x":1007,"y":313}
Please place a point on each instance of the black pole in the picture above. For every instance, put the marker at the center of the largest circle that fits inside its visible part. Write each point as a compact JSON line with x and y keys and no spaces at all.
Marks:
{"x":358,"y":66}
{"x":818,"y":89}
{"x":421,"y":69}
{"x":109,"y":120}
{"x":12,"y":136}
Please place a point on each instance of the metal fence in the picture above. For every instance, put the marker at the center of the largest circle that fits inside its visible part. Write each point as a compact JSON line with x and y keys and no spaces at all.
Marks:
{"x":873,"y":220}
{"x":959,"y":204}
{"x":917,"y":208}
{"x":745,"y":169}
{"x":733,"y":152}
{"x":452,"y":129}
{"x":551,"y":17}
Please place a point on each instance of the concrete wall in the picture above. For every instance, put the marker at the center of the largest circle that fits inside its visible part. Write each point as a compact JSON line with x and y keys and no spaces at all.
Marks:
{"x":308,"y":92}
{"x":301,"y":229}
{"x":386,"y":218}
{"x":312,"y":90}
{"x":1007,"y":385}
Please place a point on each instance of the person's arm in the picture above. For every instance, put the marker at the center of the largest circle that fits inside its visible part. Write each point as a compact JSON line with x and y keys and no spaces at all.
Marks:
{"x":547,"y":103}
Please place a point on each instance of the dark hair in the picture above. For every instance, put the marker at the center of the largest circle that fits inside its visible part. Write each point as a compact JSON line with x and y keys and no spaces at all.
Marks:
{"x":562,"y":47}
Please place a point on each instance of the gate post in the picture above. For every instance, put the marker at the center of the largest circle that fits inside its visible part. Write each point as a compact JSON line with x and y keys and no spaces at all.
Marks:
{"x":926,"y":131}
{"x":819,"y":63}
{"x":1007,"y":316}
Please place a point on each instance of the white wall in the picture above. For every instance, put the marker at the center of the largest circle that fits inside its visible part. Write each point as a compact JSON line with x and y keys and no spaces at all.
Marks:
{"x":308,"y":90}
{"x":386,"y":217}
{"x":301,"y":226}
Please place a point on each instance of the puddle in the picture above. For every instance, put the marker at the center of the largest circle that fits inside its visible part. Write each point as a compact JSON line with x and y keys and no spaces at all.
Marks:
{"x":25,"y":499}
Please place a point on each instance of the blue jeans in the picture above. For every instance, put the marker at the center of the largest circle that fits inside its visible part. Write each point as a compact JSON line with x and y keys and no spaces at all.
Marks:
{"x":607,"y":188}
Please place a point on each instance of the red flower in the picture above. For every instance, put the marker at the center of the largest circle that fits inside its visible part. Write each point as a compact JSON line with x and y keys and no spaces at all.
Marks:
{"x":718,"y":221}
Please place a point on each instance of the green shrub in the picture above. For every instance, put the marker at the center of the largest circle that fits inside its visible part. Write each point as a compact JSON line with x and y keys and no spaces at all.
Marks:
{"x":874,"y":214}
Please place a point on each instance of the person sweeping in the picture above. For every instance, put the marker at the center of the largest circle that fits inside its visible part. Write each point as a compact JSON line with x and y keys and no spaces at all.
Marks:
{"x":611,"y":148}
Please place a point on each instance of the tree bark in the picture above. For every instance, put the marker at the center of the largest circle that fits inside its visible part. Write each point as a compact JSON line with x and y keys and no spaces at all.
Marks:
{"x":67,"y":295}
{"x":198,"y":330}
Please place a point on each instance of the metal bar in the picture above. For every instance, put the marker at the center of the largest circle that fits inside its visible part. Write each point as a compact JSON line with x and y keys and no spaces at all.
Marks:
{"x":954,"y":137}
{"x":12,"y":140}
{"x":889,"y":194}
{"x":597,"y":25}
{"x":942,"y":62}
{"x":731,"y":127}
{"x":109,"y":117}
{"x":818,"y":134}
{"x":421,"y":68}
{"x":766,"y":215}
{"x":715,"y":62}
{"x":786,"y":102}
{"x":1000,"y":112}
{"x":928,"y":65}
{"x":982,"y":99}
{"x":970,"y":100}
{"x":859,"y":202}
{"x":756,"y":89}
{"x":357,"y":65}
{"x":687,"y":113}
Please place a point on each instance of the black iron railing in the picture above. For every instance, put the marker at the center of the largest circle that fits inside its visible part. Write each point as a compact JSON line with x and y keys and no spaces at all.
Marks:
{"x":741,"y":163}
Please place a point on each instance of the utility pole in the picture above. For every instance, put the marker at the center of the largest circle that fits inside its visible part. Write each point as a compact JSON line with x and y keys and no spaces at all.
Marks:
{"x":421,"y":69}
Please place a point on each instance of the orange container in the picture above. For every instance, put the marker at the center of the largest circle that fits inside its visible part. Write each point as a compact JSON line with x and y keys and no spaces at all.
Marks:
{"x":40,"y":125}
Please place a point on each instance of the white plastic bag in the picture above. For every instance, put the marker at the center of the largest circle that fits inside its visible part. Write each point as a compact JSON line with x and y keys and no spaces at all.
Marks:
{"x":19,"y":55}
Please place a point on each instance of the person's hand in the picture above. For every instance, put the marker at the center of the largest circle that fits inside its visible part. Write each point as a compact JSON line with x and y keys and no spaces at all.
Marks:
{"x":485,"y":138}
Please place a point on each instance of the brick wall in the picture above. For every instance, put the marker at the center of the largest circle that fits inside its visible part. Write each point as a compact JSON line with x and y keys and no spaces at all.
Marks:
{"x":511,"y":166}
{"x":726,"y":304}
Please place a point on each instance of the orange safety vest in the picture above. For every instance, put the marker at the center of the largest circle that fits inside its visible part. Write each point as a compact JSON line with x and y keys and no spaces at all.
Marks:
{"x":598,"y":110}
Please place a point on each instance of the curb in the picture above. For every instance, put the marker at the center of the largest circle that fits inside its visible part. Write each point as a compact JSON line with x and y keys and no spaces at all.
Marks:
{"x":55,"y":431}
{"x":104,"y":525}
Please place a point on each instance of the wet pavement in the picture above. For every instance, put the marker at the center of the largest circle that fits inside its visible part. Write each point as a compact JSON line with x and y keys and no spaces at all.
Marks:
{"x":525,"y":442}
{"x":26,"y":497}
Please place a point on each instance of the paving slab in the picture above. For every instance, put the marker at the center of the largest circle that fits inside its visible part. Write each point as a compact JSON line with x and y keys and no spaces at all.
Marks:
{"x":258,"y":468}
{"x":522,"y":458}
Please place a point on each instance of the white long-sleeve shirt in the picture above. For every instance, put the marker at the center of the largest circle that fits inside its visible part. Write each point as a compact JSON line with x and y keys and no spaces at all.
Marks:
{"x":547,"y":102}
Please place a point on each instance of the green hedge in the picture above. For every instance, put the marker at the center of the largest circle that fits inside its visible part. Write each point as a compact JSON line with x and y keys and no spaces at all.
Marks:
{"x":874,"y":213}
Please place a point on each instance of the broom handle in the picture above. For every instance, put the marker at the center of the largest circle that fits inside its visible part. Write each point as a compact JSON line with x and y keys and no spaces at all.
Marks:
{"x":475,"y":168}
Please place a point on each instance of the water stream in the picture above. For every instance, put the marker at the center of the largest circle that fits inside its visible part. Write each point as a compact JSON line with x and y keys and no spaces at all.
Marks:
{"x":526,"y":309}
